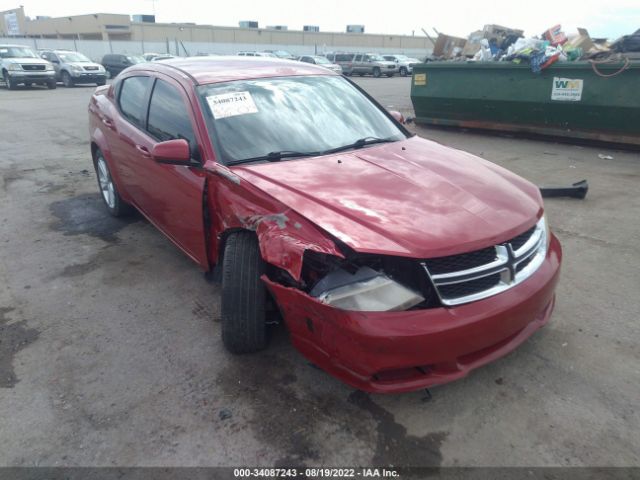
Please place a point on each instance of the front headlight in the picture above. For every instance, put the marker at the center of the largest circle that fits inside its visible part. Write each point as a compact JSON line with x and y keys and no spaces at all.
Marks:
{"x":76,"y":68}
{"x":14,"y":66}
{"x":365,"y":290}
{"x":48,"y":67}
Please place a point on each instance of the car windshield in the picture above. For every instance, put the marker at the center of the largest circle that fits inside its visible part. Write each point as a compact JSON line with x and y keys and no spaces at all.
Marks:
{"x":17,"y":52}
{"x":321,"y":60}
{"x":73,"y":57}
{"x":375,"y":58}
{"x":312,"y":114}
{"x":136,"y":59}
{"x":402,"y":57}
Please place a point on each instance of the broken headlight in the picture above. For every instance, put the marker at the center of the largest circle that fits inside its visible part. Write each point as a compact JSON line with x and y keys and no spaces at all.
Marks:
{"x":364,"y":290}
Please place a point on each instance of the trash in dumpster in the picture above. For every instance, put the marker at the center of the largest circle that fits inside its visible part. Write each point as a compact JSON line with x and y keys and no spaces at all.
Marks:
{"x":497,"y":43}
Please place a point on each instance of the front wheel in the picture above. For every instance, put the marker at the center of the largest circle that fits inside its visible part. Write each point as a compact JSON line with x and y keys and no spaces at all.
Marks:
{"x":11,"y":85}
{"x":403,"y":71}
{"x":244,"y":326}
{"x":100,"y":83}
{"x":115,"y":205}
{"x":51,"y":84}
{"x":67,"y":80}
{"x":376,"y":72}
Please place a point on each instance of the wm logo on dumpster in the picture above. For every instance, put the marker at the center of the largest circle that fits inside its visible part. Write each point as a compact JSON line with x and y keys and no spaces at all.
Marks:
{"x":567,"y":89}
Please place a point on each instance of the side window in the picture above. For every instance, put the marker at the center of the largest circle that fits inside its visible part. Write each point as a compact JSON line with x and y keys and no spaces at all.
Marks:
{"x":359,"y":58}
{"x":132,"y":98}
{"x":168,"y":115}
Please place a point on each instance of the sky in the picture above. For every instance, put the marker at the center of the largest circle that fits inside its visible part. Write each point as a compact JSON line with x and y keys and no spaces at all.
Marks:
{"x":611,"y":18}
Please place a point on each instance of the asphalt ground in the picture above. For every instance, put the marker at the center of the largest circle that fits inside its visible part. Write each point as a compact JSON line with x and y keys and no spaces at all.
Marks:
{"x":110,"y":350}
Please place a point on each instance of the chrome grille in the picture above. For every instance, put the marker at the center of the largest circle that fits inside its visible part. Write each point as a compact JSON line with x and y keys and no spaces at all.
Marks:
{"x":32,"y":67}
{"x":91,"y":68}
{"x":476,"y":275}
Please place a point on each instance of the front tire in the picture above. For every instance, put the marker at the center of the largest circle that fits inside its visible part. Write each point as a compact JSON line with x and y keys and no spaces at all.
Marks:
{"x":112,"y":200}
{"x":244,"y":327}
{"x":403,"y":71}
{"x":11,"y":85}
{"x":67,"y":80}
{"x":52,"y":85}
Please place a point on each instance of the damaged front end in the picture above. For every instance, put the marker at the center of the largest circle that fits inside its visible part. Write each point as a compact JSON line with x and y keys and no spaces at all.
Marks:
{"x":362,"y":282}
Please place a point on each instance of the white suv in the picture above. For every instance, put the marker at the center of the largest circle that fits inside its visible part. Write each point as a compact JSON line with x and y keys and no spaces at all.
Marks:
{"x":405,"y":64}
{"x":19,"y":64}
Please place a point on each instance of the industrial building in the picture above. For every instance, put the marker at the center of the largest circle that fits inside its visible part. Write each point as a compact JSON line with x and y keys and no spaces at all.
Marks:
{"x":143,"y":29}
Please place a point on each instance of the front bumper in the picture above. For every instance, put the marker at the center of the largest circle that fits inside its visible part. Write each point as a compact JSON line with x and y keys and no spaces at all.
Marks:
{"x":88,"y":77}
{"x":32,"y":76}
{"x":387,"y":352}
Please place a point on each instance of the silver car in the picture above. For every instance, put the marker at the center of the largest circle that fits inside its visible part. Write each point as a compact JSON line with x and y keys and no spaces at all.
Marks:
{"x":364,"y":64}
{"x":74,"y":68}
{"x":19,"y":64}
{"x":405,"y":64}
{"x":320,"y":61}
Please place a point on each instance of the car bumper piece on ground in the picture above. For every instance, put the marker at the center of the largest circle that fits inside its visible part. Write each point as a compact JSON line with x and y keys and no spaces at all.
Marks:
{"x":388,"y":352}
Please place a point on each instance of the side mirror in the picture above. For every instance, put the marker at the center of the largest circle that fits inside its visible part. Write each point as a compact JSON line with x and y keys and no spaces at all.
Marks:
{"x":172,"y":151}
{"x":397,"y":115}
{"x":57,"y":62}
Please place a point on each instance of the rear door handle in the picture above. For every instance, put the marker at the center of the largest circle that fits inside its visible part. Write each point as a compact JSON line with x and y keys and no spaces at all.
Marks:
{"x":144,"y":151}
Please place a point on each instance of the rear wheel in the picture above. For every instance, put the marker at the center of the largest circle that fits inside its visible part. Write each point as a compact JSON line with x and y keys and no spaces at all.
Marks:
{"x":67,"y":80}
{"x":115,"y":205}
{"x":376,"y":72}
{"x":244,"y":326}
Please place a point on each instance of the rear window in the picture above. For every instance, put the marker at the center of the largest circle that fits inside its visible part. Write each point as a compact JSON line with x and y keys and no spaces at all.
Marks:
{"x":132,"y":99}
{"x":344,"y":57}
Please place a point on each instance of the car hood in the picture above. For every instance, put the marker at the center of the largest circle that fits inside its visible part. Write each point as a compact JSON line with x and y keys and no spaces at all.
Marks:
{"x":29,"y":60}
{"x":413,"y":198}
{"x":84,"y":64}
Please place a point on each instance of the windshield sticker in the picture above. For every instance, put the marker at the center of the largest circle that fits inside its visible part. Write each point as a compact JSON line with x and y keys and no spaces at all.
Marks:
{"x":231,"y":104}
{"x":566,"y":89}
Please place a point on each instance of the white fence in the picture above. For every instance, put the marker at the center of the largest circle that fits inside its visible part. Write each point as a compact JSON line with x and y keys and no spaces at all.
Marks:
{"x":95,"y":49}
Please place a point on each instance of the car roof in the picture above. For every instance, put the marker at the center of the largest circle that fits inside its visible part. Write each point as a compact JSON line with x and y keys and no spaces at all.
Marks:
{"x":204,"y":70}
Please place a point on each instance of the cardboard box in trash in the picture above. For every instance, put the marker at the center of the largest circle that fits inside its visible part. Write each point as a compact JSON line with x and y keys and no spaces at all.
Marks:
{"x":446,"y":45}
{"x":582,"y":40}
{"x":489,"y":32}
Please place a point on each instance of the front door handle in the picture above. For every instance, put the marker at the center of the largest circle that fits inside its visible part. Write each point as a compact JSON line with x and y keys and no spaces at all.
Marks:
{"x":108,"y":123}
{"x":144,"y":151}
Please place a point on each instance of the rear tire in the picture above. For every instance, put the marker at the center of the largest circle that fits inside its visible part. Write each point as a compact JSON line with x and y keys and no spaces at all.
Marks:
{"x":244,"y":327}
{"x":376,"y":72}
{"x":108,"y":190}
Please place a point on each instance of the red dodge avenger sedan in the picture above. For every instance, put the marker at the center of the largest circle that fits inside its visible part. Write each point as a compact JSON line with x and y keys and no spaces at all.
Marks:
{"x":395,"y":262}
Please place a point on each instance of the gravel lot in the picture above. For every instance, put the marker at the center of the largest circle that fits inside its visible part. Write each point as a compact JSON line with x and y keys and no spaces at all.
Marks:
{"x":110,"y":352}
